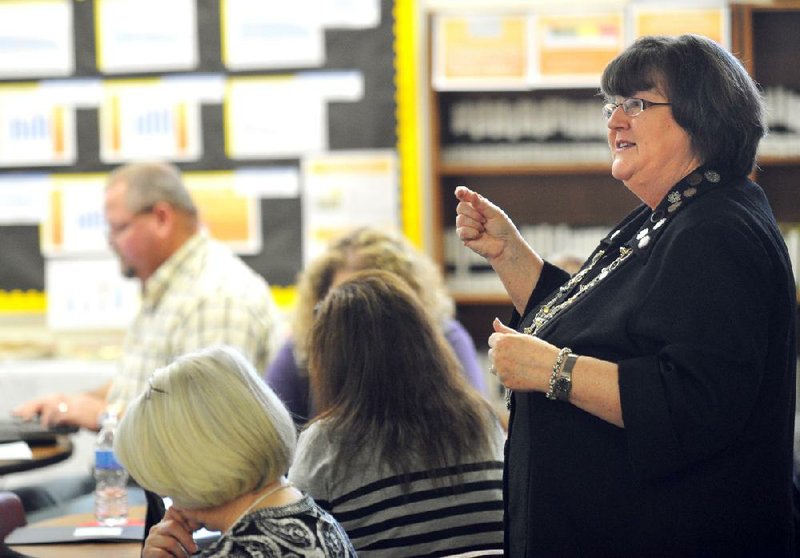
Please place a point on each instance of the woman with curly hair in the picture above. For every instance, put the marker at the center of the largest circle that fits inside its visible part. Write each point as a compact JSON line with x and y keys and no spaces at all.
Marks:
{"x":364,"y":248}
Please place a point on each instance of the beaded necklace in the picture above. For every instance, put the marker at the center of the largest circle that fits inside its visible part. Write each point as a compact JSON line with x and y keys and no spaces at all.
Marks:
{"x":565,"y":298}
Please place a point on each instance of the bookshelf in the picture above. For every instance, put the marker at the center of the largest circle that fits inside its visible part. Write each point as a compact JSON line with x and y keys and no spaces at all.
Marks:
{"x":765,"y":38}
{"x":558,"y":173}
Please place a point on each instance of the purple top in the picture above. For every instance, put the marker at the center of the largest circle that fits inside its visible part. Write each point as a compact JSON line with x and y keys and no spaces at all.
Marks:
{"x":284,"y":376}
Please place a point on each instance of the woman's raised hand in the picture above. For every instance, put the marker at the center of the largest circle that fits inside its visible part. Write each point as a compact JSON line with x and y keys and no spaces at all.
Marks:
{"x":483,"y":227}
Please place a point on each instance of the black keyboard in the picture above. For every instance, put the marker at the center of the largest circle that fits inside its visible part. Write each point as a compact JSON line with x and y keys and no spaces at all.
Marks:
{"x":15,"y":430}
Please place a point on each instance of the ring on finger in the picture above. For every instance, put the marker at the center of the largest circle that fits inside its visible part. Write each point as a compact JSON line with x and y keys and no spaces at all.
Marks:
{"x":63,"y":407}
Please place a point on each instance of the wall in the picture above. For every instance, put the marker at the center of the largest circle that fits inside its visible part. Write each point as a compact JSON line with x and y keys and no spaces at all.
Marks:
{"x":367,"y":123}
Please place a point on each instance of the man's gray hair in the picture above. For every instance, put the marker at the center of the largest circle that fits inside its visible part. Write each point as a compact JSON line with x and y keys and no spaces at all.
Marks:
{"x":150,"y":183}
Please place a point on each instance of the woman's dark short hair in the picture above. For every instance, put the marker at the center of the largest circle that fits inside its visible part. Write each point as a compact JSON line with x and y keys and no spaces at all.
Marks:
{"x":713,"y":97}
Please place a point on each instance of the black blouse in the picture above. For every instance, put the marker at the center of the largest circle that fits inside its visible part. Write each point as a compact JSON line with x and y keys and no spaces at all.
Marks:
{"x":700,"y":320}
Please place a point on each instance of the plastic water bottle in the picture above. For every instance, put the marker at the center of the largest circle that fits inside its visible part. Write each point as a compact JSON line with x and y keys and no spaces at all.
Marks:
{"x":111,"y":479}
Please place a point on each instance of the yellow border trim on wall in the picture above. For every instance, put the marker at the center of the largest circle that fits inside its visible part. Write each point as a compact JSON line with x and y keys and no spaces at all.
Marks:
{"x":223,"y":32}
{"x":406,"y":79}
{"x":22,"y":302}
{"x":285,"y":297}
{"x":35,"y":302}
{"x":98,"y":36}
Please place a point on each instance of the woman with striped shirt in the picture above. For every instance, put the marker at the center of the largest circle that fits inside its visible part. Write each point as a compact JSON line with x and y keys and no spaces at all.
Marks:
{"x":405,"y":454}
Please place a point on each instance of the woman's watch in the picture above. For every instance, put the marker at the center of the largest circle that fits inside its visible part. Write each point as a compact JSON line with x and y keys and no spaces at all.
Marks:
{"x":562,"y":387}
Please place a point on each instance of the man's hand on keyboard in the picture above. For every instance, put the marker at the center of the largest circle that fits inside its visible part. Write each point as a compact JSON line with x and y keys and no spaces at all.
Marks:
{"x":79,"y":409}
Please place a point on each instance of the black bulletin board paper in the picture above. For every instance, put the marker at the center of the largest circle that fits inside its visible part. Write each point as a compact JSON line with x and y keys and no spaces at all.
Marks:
{"x":367,"y":124}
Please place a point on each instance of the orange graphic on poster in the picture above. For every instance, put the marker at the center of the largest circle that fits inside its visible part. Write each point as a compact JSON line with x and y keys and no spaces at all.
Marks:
{"x":484,"y":47}
{"x":579,"y":46}
{"x":58,"y":131}
{"x":707,"y":22}
{"x":181,"y":131}
{"x":55,"y":225}
{"x":116,"y":126}
{"x":225,"y":212}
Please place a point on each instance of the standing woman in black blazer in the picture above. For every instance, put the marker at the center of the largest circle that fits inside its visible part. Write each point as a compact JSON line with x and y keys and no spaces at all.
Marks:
{"x":652,"y":394}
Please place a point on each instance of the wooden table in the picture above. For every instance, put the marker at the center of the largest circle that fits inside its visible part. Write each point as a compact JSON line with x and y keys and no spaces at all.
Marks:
{"x":84,"y":550}
{"x":43,"y":455}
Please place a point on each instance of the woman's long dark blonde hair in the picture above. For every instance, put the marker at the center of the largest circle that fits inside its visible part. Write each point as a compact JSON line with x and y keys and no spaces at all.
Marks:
{"x":384,"y":376}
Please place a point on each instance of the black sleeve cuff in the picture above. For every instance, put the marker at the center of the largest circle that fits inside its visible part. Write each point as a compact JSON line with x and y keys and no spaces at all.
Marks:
{"x":652,"y":445}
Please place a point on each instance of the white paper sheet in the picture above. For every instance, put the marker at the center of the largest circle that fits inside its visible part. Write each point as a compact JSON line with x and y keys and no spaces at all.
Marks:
{"x":15,"y":451}
{"x":74,"y":223}
{"x":351,"y":14}
{"x":149,"y":120}
{"x":284,"y":116}
{"x":23,"y":198}
{"x":36,"y":39}
{"x":35,"y":128}
{"x":89,"y":294}
{"x":146,"y":35}
{"x":347,"y":189}
{"x":272,"y":34}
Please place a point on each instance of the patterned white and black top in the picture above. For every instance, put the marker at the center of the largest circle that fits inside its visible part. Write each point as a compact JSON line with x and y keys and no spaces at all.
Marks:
{"x":453,"y":511}
{"x":299,"y":530}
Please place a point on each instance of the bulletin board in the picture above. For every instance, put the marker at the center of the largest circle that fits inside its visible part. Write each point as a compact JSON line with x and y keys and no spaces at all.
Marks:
{"x":350,"y":59}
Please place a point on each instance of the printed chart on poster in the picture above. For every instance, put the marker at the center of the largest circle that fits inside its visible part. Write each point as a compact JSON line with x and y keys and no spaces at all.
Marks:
{"x":36,"y":39}
{"x":235,"y":93}
{"x":538,"y":46}
{"x":346,"y":190}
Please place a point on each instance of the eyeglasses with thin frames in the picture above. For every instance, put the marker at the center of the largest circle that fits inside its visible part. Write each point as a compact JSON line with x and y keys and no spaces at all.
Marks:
{"x":632,"y":106}
{"x":115,"y":230}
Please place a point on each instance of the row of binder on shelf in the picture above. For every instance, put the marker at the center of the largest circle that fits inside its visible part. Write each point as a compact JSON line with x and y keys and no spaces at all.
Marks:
{"x":569,"y":246}
{"x":559,"y":129}
{"x":780,"y":145}
{"x":776,"y":144}
{"x":512,"y":120}
{"x":566,"y":246}
{"x":783,"y":106}
{"x":528,"y":153}
{"x":783,"y":118}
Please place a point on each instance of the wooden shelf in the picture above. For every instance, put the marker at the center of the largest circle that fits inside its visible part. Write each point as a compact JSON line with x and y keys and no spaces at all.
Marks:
{"x":773,"y":161}
{"x":450,"y":169}
{"x":446,"y":169}
{"x":534,"y":190}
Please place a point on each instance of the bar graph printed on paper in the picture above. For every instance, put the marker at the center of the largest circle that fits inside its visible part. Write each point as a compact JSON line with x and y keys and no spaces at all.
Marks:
{"x":36,"y":134}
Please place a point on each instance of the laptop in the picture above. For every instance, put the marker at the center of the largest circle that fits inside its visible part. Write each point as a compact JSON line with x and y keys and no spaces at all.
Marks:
{"x":14,"y":429}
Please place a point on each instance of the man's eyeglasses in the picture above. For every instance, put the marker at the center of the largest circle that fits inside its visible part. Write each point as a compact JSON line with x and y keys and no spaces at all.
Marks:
{"x":630,"y":106}
{"x":116,"y":230}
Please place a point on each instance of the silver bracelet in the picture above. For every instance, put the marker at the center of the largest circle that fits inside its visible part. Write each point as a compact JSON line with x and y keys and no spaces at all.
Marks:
{"x":562,"y":355}
{"x":563,"y":383}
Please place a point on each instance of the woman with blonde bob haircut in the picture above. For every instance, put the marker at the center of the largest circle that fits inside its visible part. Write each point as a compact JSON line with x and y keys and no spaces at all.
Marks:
{"x":209,"y":433}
